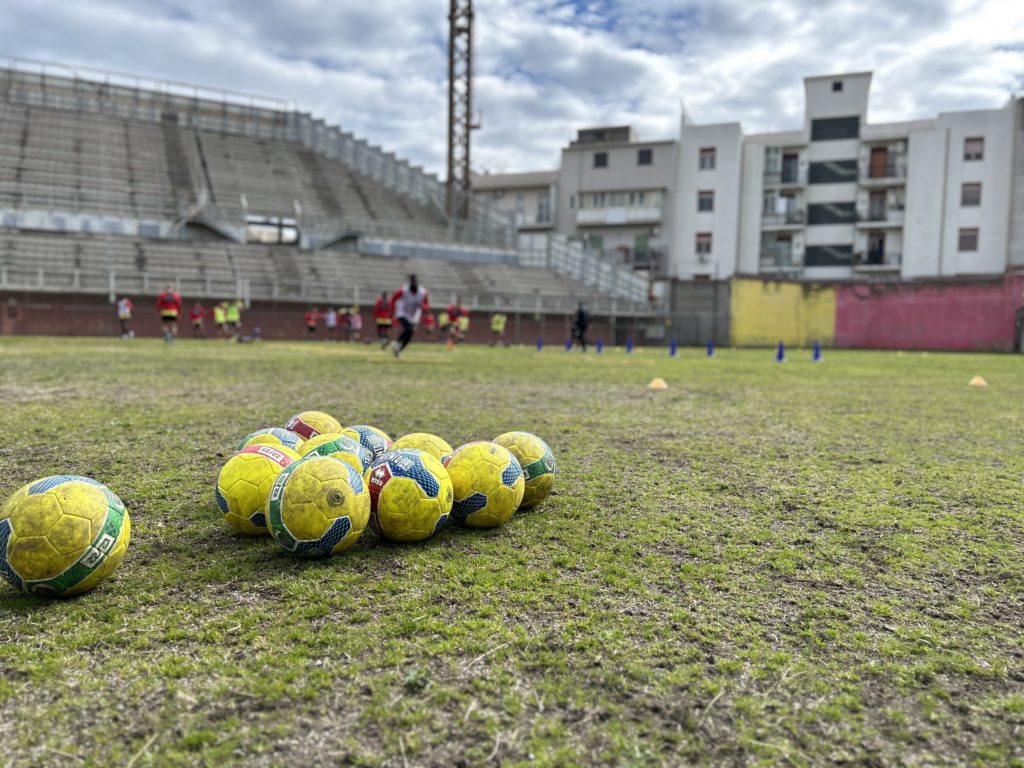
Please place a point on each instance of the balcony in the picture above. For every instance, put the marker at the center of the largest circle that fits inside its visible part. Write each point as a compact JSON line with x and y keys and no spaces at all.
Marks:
{"x":894,"y":172}
{"x":775,"y":258}
{"x":618,"y":215}
{"x":533,"y":220}
{"x":881,"y":216}
{"x":877,"y":261}
{"x":788,"y":177}
{"x":791,"y":219}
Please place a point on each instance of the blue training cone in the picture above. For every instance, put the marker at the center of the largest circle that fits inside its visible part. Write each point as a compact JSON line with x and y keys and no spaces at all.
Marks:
{"x":711,"y":348}
{"x":780,"y":355}
{"x":629,"y":346}
{"x":540,"y":344}
{"x":816,"y":357}
{"x":600,"y":346}
{"x":673,"y":350}
{"x":568,"y":344}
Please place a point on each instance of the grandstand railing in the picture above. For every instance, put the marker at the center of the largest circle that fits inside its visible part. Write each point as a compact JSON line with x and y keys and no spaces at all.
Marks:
{"x":113,"y":284}
{"x":568,"y":257}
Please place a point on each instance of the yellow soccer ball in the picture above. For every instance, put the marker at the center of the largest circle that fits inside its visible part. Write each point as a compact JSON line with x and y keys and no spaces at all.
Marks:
{"x":340,"y":447}
{"x":537,"y":461}
{"x":243,"y":485}
{"x":424,"y":441}
{"x":371,"y":438}
{"x":488,"y":484}
{"x":62,"y":535}
{"x":410,"y":495}
{"x":318,"y":507}
{"x":272,"y":436}
{"x":312,"y":423}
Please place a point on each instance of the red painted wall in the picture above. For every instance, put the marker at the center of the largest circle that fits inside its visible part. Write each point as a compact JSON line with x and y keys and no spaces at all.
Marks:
{"x":936,"y":315}
{"x":29,"y":313}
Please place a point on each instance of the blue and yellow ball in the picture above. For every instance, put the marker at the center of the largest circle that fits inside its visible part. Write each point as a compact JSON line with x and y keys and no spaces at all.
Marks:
{"x":410,"y":495}
{"x":488,"y":484}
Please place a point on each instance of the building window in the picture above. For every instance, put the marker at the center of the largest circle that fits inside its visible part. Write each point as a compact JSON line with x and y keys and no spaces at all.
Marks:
{"x":835,"y":128}
{"x":974,"y":148}
{"x":970,"y":195}
{"x":968,"y":240}
{"x":707,"y":159}
{"x":831,"y":213}
{"x":833,"y":172}
{"x":644,"y":156}
{"x":703,"y":243}
{"x":828,"y":255}
{"x":837,"y":85}
{"x":543,"y":210}
{"x":572,"y":202}
{"x":600,"y":159}
{"x":706,"y":200}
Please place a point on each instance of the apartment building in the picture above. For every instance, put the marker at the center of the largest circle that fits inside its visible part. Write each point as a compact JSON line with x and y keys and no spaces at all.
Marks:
{"x":838,"y":198}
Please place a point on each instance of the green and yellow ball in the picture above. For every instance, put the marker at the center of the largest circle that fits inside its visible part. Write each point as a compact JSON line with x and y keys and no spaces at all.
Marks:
{"x":424,"y":441}
{"x":244,"y":482}
{"x":62,"y":535}
{"x":410,"y":495}
{"x":488,"y":484}
{"x":340,"y":447}
{"x":279,"y":438}
{"x":318,"y":507}
{"x":537,"y":461}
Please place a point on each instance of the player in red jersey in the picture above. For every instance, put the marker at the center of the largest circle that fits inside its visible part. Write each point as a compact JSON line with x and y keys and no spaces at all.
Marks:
{"x":382,"y":317}
{"x":312,"y":318}
{"x":408,"y":304}
{"x":168,"y":304}
{"x":197,"y":316}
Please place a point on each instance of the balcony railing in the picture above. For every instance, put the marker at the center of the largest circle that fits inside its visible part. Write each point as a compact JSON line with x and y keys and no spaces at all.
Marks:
{"x":774,"y":258}
{"x":893,"y":169}
{"x":795,"y":177}
{"x":877,"y":260}
{"x":795,"y":216}
{"x":612,"y":215}
{"x":881,"y":214}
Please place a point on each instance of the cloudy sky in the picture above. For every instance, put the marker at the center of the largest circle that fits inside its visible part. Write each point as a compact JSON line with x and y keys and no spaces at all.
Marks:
{"x":544,"y":67}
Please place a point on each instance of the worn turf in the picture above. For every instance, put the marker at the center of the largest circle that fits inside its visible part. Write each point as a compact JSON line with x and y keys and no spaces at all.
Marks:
{"x":766,"y":564}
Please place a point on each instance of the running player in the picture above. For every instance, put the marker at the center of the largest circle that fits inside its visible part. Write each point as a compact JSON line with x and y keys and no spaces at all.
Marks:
{"x":312,"y":317}
{"x":408,"y":304}
{"x":197,"y":315}
{"x":168,"y":304}
{"x":382,"y":316}
{"x":124,"y":315}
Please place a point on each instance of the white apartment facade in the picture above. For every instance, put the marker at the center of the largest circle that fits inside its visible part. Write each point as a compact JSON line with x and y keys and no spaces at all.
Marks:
{"x":837,"y":199}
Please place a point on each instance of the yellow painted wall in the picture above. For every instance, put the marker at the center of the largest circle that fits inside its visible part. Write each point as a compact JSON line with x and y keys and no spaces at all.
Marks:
{"x":763,"y":312}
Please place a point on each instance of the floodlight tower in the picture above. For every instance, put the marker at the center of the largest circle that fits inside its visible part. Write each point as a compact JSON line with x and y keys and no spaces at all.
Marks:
{"x":460,"y":106}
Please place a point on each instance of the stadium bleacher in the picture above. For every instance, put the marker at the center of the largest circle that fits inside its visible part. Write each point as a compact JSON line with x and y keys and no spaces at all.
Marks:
{"x":106,"y":189}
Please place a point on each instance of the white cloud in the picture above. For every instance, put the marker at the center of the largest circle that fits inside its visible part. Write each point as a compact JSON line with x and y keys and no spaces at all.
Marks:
{"x":545,"y":67}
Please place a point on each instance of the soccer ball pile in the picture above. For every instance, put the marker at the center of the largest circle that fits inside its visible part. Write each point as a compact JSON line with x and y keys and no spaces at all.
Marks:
{"x":315,"y":485}
{"x":62,"y":535}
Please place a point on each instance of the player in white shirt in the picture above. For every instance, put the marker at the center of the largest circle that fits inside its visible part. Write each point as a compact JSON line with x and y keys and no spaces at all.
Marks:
{"x":408,"y":304}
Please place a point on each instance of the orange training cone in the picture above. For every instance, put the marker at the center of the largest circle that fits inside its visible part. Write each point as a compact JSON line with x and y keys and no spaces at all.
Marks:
{"x":977,"y":381}
{"x":657,"y":383}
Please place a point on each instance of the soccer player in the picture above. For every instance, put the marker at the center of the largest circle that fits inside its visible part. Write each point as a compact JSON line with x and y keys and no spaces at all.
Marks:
{"x":444,"y":324}
{"x":355,"y":324}
{"x":124,"y":315}
{"x":312,"y":317}
{"x":382,"y":316}
{"x":234,"y":318}
{"x":498,"y":321}
{"x":408,"y":304}
{"x":220,"y":318}
{"x":454,"y":312}
{"x":198,"y":317}
{"x":168,"y":304}
{"x":330,"y":322}
{"x":579,"y":327}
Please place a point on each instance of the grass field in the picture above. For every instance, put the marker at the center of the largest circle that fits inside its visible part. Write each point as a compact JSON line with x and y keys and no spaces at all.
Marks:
{"x":767,"y":564}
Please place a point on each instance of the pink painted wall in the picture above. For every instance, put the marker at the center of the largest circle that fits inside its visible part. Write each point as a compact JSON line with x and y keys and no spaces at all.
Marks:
{"x":935,"y":315}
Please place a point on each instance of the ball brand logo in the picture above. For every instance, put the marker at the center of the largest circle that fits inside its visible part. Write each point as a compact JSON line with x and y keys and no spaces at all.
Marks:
{"x":278,"y":489}
{"x":96,"y":554}
{"x":448,"y":496}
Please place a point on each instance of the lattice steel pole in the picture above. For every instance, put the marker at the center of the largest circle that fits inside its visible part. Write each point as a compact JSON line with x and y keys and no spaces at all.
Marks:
{"x":460,"y":105}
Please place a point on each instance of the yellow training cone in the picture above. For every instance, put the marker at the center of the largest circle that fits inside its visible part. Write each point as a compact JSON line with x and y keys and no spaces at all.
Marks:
{"x":977,"y":381}
{"x":657,"y":383}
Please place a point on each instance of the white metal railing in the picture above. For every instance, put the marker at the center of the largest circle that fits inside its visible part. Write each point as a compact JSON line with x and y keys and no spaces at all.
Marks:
{"x":113,"y":284}
{"x":569,"y":257}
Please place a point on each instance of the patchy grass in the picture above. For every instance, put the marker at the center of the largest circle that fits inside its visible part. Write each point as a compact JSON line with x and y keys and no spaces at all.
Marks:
{"x":766,"y":564}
